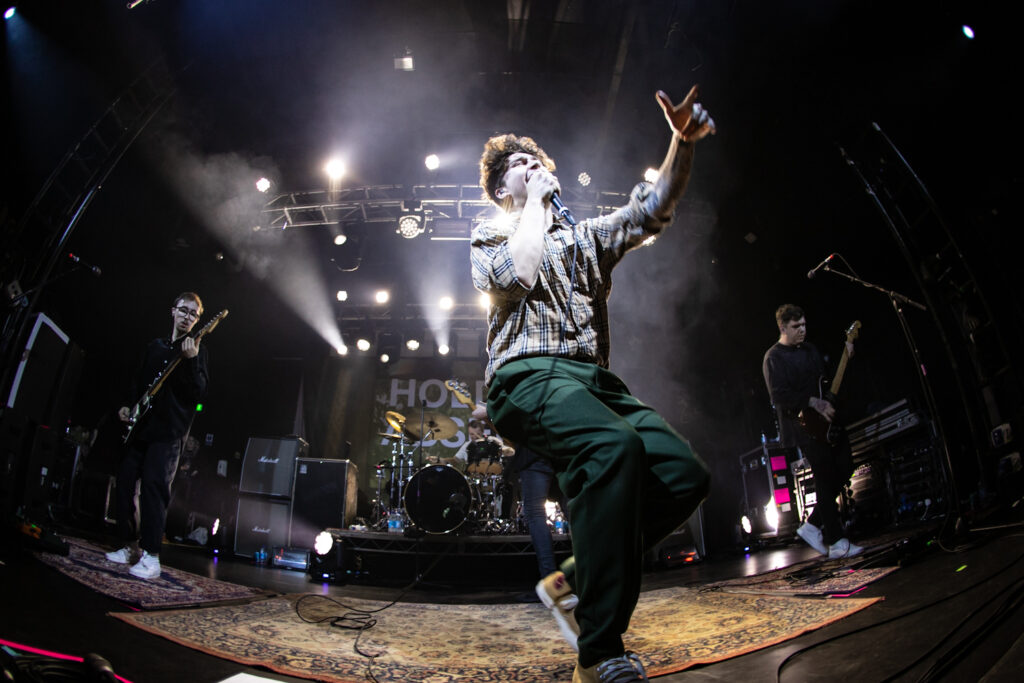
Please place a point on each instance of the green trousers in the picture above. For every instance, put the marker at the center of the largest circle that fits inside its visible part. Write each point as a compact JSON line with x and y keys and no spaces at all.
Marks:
{"x":630,"y":479}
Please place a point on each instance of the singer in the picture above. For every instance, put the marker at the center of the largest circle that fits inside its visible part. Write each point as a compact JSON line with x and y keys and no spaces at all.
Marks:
{"x":152,"y":455}
{"x":630,"y":477}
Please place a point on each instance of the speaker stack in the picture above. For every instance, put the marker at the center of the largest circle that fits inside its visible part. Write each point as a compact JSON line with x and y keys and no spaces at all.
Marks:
{"x":265,"y":493}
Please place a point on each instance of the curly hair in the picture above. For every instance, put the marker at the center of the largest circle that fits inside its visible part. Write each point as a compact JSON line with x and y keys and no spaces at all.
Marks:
{"x":494,"y":161}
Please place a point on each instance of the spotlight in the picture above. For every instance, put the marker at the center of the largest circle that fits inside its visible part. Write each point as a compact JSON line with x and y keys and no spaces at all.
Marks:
{"x":651,"y":175}
{"x":413,"y":344}
{"x":363,"y":344}
{"x":385,"y":358}
{"x":381,"y":296}
{"x":771,"y":515}
{"x":583,"y":178}
{"x":446,"y":303}
{"x":443,"y":349}
{"x":9,"y":13}
{"x":746,"y":525}
{"x":342,"y":295}
{"x":410,"y":226}
{"x":340,"y":239}
{"x":262,"y":184}
{"x":432,"y":162}
{"x":323,"y":543}
{"x":335,"y":169}
{"x":485,"y":300}
{"x":341,"y":349}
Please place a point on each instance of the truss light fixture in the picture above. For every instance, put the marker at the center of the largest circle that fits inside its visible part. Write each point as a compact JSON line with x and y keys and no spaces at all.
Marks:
{"x":446,"y":303}
{"x":262,"y":184}
{"x":382,"y":296}
{"x":342,"y":295}
{"x":9,"y":13}
{"x":412,"y":344}
{"x":432,"y":162}
{"x":363,"y":344}
{"x":340,"y":239}
{"x":443,"y":349}
{"x":583,"y":178}
{"x":410,"y":226}
{"x":335,"y":169}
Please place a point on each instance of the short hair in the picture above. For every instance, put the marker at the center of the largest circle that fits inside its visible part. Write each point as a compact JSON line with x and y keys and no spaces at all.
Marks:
{"x":787,"y":312}
{"x":475,"y":424}
{"x":494,"y":160}
{"x":190,"y":296}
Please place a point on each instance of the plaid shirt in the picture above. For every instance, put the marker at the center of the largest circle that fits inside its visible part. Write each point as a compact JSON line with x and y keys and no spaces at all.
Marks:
{"x":539,"y":322}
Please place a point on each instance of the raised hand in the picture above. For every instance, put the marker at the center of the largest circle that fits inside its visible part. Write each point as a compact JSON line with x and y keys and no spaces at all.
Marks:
{"x":688,"y":118}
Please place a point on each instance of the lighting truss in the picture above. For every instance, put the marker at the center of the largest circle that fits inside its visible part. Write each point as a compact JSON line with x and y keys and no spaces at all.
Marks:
{"x":384,"y":204}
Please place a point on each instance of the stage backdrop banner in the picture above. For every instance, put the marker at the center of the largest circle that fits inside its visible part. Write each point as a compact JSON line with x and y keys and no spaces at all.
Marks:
{"x":413,"y":399}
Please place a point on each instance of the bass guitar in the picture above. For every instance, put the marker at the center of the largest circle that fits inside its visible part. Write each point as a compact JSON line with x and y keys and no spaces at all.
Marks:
{"x":142,"y":406}
{"x":461,"y":392}
{"x":814,"y":423}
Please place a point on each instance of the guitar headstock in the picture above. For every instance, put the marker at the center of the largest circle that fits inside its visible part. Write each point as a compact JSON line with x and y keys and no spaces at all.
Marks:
{"x":461,"y":392}
{"x":853,"y":331}
{"x":212,"y":324}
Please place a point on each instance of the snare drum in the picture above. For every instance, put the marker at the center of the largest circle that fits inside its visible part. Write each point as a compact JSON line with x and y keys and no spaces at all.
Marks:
{"x":438,"y":499}
{"x":480,"y":456}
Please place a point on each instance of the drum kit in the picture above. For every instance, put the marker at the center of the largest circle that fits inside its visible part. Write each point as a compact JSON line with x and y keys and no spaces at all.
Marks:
{"x":439,"y":498}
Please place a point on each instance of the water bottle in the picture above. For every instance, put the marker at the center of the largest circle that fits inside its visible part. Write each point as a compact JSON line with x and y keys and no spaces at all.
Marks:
{"x":396,"y":524}
{"x":559,"y":524}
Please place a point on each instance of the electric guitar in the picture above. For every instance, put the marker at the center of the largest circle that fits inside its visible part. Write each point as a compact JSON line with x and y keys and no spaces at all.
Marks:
{"x":142,"y":406}
{"x":813,"y":422}
{"x":461,"y":392}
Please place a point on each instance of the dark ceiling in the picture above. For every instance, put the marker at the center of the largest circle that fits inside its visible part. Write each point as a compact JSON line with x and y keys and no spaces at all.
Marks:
{"x":272,"y":88}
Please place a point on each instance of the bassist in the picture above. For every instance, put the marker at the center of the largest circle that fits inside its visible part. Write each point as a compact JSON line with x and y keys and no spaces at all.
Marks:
{"x":155,"y":445}
{"x":792,"y":370}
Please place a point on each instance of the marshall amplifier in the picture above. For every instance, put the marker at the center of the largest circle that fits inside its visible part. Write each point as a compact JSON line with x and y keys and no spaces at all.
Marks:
{"x":269,"y":465}
{"x":262,"y":522}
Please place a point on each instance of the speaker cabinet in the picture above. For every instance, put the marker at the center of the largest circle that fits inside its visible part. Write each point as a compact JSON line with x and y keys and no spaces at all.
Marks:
{"x":269,"y":465}
{"x":325,"y":496}
{"x":262,"y":522}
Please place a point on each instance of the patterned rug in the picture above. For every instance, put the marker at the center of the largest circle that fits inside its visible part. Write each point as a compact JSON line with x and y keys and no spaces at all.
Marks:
{"x":672,"y":629}
{"x":86,"y":564}
{"x":815,"y":579}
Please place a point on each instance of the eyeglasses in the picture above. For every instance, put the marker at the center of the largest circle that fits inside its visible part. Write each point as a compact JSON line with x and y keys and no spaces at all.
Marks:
{"x":190,"y":313}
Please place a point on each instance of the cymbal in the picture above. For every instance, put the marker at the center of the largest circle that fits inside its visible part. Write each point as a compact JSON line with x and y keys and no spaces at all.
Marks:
{"x":435,"y":426}
{"x":393,"y":437}
{"x":396,"y":420}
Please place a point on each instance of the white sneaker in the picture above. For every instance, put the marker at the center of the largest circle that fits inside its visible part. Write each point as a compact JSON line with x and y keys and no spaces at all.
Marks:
{"x":843,"y":548}
{"x":122,"y":556}
{"x":812,"y":536}
{"x":554,"y":591}
{"x":148,"y":567}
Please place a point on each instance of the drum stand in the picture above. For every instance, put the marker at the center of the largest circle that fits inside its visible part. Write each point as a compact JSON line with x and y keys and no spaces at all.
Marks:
{"x":392,"y":484}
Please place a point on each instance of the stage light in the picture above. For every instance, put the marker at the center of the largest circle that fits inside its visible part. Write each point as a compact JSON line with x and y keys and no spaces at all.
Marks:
{"x":443,"y":349}
{"x":340,"y":239}
{"x":413,"y":344}
{"x":446,"y":303}
{"x":342,"y":350}
{"x":342,"y":295}
{"x":410,"y":225}
{"x":363,"y":344}
{"x":771,"y":515}
{"x":432,"y":162}
{"x":323,"y":543}
{"x":9,"y":13}
{"x":385,"y":358}
{"x":335,"y":169}
{"x":745,"y":524}
{"x":262,"y":184}
{"x":968,"y":31}
{"x":583,"y":178}
{"x":485,"y":301}
{"x":381,"y":296}
{"x":651,"y":175}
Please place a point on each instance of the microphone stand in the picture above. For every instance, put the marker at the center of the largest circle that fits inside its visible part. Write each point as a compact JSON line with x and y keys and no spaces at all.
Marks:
{"x":937,"y":429}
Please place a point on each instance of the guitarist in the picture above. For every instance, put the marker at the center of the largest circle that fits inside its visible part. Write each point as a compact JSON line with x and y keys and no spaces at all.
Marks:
{"x":792,"y":369}
{"x":155,"y":445}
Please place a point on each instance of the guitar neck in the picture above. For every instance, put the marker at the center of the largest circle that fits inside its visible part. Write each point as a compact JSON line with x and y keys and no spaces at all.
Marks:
{"x":840,"y":371}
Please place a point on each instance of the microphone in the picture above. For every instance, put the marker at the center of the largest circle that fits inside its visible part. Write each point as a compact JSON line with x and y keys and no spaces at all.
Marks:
{"x":88,"y":266}
{"x":814,"y":271}
{"x":561,"y":208}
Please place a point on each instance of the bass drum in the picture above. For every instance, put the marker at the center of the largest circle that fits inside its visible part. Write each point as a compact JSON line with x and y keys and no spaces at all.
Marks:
{"x":438,"y":499}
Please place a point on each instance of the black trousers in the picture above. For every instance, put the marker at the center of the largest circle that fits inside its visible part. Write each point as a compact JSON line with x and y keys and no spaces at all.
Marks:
{"x":831,"y":467}
{"x":154,"y":465}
